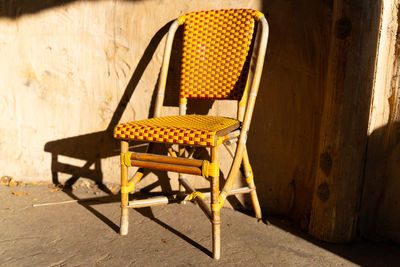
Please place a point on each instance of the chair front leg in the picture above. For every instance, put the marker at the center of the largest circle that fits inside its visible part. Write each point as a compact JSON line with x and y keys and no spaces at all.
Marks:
{"x":124,"y":195}
{"x":216,"y":219}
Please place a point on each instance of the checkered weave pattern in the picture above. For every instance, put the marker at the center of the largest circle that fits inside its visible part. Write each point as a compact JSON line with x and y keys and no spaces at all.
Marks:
{"x":197,"y":130}
{"x":215,"y":58}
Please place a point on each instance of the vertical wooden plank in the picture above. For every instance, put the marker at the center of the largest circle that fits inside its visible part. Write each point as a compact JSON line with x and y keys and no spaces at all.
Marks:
{"x":379,"y":218}
{"x":283,"y":138}
{"x":344,"y":123}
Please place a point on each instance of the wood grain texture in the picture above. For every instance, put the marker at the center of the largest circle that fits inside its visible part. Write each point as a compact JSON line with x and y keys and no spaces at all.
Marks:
{"x":283,"y":137}
{"x":345,"y":117}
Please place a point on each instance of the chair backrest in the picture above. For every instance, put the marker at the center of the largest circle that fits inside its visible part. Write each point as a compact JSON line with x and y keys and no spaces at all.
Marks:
{"x":216,"y":53}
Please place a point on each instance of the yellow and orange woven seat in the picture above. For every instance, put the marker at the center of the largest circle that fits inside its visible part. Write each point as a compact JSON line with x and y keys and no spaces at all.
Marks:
{"x":196,"y":130}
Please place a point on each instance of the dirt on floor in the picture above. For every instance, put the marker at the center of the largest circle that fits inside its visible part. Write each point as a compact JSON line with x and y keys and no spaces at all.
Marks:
{"x":84,"y":231}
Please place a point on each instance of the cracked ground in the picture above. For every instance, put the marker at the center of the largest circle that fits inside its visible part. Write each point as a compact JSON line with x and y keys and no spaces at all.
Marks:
{"x":85,"y":233}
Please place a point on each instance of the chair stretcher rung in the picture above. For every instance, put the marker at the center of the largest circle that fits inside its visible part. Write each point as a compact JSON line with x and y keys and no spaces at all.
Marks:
{"x":231,"y":136}
{"x":167,"y":167}
{"x":166,"y":159}
{"x":242,"y":190}
{"x":202,"y":204}
{"x":153,"y":201}
{"x":163,"y":200}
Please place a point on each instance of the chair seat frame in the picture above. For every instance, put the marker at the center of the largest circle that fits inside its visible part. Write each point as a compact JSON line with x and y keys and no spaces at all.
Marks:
{"x":207,"y":169}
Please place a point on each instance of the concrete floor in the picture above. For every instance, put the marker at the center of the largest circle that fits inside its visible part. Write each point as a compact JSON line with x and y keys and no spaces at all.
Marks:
{"x":85,"y":234}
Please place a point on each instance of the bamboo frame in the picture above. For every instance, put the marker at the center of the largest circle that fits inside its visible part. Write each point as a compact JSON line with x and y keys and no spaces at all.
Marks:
{"x":248,"y":173}
{"x":164,"y":200}
{"x":231,"y":136}
{"x":191,"y":166}
{"x":249,"y":109}
{"x":124,"y":196}
{"x":164,"y":69}
{"x":216,"y":219}
{"x":165,"y":159}
{"x":132,"y":183}
{"x":167,"y":167}
{"x":181,"y":175}
{"x":202,"y":204}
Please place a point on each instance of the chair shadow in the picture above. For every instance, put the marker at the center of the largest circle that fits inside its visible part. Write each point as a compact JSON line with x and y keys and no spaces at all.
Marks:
{"x":89,"y":147}
{"x":147,"y":212}
{"x":93,"y":147}
{"x":16,"y":9}
{"x":88,"y":203}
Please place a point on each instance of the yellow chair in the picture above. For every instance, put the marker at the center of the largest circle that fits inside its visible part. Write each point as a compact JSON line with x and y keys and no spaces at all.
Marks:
{"x":217,"y":55}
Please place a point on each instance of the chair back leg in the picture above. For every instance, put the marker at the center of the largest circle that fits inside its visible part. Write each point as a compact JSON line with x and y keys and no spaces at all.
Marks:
{"x":248,"y":173}
{"x":181,"y":175}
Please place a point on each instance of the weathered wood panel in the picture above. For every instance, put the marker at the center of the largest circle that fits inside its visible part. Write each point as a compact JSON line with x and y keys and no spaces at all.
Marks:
{"x":345,"y":117}
{"x":284,"y":135}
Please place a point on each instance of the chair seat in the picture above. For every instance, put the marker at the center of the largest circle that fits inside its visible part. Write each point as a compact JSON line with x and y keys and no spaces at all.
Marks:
{"x":196,"y":130}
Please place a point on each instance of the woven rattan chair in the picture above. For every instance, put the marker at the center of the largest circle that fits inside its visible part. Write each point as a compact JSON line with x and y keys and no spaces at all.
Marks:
{"x":217,"y":55}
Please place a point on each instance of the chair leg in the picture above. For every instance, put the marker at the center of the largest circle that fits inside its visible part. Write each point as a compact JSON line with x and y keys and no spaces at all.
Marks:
{"x":124,"y":196}
{"x":248,"y":173}
{"x":181,"y":175}
{"x":216,"y":220}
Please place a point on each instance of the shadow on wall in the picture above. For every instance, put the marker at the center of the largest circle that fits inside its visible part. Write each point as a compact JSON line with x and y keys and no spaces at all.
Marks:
{"x":13,"y":10}
{"x":380,"y":207}
{"x":8,"y":8}
{"x":95,"y":146}
{"x":99,"y":145}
